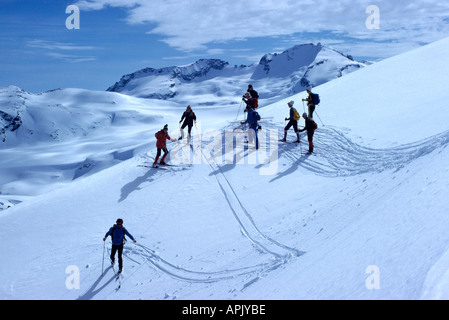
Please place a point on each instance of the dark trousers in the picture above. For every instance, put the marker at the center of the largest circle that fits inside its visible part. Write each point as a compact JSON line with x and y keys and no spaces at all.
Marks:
{"x":119,"y":249}
{"x":189,"y":127}
{"x":253,"y":132}
{"x":291,"y":123}
{"x":159,"y":151}
{"x":310,"y":138}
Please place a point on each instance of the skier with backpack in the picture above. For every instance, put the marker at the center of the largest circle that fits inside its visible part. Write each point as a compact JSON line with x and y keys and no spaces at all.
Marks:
{"x":250,"y":102}
{"x":189,"y":117}
{"x":254,"y":95}
{"x":117,"y":233}
{"x":252,"y":120}
{"x":161,"y":144}
{"x":293,"y":121}
{"x":312,"y":101}
{"x":310,"y":126}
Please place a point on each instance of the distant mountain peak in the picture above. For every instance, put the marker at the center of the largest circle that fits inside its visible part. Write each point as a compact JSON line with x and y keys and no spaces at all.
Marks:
{"x":189,"y":72}
{"x":296,"y":68}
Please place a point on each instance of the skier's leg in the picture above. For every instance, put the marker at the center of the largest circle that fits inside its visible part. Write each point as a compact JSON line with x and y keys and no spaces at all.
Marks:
{"x":184,"y":125}
{"x":311,"y":110}
{"x":120,"y":259}
{"x":288,"y":126}
{"x":157,"y":155}
{"x":257,"y":137}
{"x":310,"y":138}
{"x":295,"y":127}
{"x":113,"y":251}
{"x":189,"y":131}
{"x":165,"y":155}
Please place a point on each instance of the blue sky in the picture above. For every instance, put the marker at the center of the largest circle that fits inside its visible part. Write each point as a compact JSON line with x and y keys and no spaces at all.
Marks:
{"x":117,"y":37}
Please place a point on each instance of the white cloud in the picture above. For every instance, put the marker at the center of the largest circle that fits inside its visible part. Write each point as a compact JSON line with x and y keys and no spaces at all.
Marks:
{"x":191,"y":25}
{"x":58,"y":50}
{"x":50,"y":45}
{"x":70,"y":58}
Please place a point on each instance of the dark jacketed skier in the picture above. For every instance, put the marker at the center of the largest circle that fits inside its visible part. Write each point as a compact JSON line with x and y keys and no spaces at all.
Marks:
{"x":189,"y":117}
{"x":311,"y":102}
{"x":247,"y":98}
{"x":310,"y":126}
{"x":252,"y":120}
{"x":117,"y":233}
{"x":254,"y":95}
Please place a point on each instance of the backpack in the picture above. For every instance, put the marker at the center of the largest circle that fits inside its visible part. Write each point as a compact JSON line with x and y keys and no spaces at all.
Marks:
{"x":315,"y":98}
{"x":296,"y":115}
{"x":257,"y":115}
{"x":254,"y":94}
{"x":112,"y":234}
{"x":315,"y":126}
{"x":158,"y":135}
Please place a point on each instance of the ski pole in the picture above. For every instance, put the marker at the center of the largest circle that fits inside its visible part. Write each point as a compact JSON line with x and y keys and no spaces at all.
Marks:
{"x":319,"y":118}
{"x":102,"y":264}
{"x":239,"y":110}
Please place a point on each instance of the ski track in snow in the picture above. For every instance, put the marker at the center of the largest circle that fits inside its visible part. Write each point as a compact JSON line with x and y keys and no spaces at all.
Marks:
{"x":278,"y":254}
{"x":336,"y":156}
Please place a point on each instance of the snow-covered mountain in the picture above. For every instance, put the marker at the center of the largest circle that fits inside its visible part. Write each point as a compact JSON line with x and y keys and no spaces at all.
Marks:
{"x":305,"y":66}
{"x":182,"y":83}
{"x":363,"y":218}
{"x":53,"y":138}
{"x":215,"y":82}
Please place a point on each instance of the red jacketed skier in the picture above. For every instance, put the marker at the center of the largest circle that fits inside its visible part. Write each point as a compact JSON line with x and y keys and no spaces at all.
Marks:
{"x":161,"y":144}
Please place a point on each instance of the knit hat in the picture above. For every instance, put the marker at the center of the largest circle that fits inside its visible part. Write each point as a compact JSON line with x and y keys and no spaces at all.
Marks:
{"x":166,"y":127}
{"x":304,"y":115}
{"x":291,"y":103}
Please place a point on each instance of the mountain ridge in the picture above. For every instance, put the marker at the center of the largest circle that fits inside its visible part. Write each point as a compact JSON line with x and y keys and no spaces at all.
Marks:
{"x":301,"y":64}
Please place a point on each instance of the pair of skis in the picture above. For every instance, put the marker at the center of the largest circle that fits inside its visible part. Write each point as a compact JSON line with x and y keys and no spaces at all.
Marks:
{"x":158,"y":166}
{"x":118,"y":276}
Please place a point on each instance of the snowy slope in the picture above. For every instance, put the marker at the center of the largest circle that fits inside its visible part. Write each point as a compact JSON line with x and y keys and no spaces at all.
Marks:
{"x":372,"y":198}
{"x":58,"y":136}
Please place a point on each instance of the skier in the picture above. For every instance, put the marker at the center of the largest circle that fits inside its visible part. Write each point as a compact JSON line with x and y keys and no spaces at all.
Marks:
{"x":250,"y":102}
{"x":117,"y":233}
{"x":293,"y":121}
{"x":252,"y":119}
{"x":310,"y":126}
{"x":311,"y":104}
{"x":254,"y":95}
{"x":188,"y":116}
{"x":161,"y":144}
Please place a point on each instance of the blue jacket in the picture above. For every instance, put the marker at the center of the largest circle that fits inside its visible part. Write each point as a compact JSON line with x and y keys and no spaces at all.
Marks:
{"x":118,"y":234}
{"x":252,"y":118}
